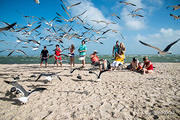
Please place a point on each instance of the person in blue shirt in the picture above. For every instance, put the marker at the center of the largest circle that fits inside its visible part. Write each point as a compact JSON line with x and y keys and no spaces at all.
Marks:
{"x":115,"y":49}
{"x":82,"y":52}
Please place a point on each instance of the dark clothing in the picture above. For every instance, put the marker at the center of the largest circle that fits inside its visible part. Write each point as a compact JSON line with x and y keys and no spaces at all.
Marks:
{"x":44,"y":53}
{"x":44,"y":59}
{"x":95,"y":63}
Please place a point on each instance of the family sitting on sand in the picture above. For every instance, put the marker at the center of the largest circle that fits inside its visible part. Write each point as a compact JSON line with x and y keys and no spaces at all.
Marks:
{"x":118,"y":54}
{"x":138,"y":67}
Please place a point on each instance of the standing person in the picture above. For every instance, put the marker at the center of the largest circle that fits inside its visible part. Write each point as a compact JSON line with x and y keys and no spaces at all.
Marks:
{"x":122,"y":47}
{"x":115,"y":49}
{"x":44,"y":56}
{"x":71,"y":50}
{"x":82,"y":52}
{"x":58,"y":55}
{"x":148,"y":66}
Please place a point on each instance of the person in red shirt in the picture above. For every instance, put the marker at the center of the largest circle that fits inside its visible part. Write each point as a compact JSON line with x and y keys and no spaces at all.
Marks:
{"x":94,"y":58}
{"x":148,"y":66}
{"x":58,"y":55}
{"x":98,"y":62}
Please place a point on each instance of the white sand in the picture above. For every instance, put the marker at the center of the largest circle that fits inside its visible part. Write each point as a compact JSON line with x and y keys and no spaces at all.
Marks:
{"x":119,"y":95}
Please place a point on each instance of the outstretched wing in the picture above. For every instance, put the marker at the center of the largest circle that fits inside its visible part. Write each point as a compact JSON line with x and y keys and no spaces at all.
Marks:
{"x":101,"y":73}
{"x":59,"y":77}
{"x":170,"y":45}
{"x":38,"y":89}
{"x":8,"y":27}
{"x":91,"y":72}
{"x":149,"y":45}
{"x":18,"y":86}
{"x":38,"y":77}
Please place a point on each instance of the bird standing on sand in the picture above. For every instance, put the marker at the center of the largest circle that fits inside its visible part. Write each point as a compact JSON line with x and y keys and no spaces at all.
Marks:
{"x":165,"y":51}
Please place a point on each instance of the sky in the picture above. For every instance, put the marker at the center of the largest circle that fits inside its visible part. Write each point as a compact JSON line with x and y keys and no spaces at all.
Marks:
{"x":157,"y":27}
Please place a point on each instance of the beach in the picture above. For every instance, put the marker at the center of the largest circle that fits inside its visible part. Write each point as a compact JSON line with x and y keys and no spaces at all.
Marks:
{"x":119,"y":95}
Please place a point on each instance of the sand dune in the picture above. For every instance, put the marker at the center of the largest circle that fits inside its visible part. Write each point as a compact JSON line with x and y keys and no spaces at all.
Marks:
{"x":119,"y":95}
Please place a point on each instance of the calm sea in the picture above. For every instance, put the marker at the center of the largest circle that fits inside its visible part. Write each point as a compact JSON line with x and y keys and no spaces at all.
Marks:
{"x":36,"y":60}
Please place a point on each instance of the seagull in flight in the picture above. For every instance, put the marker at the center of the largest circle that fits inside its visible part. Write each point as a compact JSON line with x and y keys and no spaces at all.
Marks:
{"x":73,"y":5}
{"x":127,"y":3}
{"x":25,"y":93}
{"x":175,"y":17}
{"x":7,"y":27}
{"x":48,"y":76}
{"x":37,"y":1}
{"x":165,"y":51}
{"x":175,"y":7}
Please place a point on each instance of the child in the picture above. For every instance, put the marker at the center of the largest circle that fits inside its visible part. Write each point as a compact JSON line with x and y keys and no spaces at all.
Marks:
{"x":58,"y":55}
{"x":72,"y":49}
{"x":148,"y":66}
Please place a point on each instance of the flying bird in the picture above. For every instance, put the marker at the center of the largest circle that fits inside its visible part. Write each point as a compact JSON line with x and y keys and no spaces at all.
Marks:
{"x":106,"y":31}
{"x":136,"y":10}
{"x":165,"y":51}
{"x":127,"y":3}
{"x":73,"y":5}
{"x":175,"y":17}
{"x":98,"y":75}
{"x":175,"y":7}
{"x":25,"y":93}
{"x":7,"y":27}
{"x":48,"y":76}
{"x":65,"y":10}
{"x":116,"y":15}
{"x":37,"y":1}
{"x":134,"y":15}
{"x":18,"y":50}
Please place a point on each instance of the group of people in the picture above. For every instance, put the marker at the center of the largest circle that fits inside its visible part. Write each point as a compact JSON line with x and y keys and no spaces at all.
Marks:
{"x":118,"y":54}
{"x":137,"y":66}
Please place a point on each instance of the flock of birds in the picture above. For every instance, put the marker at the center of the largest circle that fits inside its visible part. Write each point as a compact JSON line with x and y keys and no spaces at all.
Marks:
{"x":57,"y":33}
{"x":19,"y":89}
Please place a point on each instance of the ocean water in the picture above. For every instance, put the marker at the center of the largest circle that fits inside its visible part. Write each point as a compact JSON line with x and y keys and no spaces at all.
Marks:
{"x":36,"y":60}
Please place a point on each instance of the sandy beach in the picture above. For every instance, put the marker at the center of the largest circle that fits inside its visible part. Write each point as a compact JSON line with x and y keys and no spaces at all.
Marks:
{"x":120,"y":95}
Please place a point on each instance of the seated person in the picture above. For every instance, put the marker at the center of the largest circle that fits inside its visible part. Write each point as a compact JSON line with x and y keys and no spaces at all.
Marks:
{"x":140,"y":67}
{"x":98,"y":62}
{"x":148,"y":66}
{"x":134,"y":64}
{"x":119,"y":60}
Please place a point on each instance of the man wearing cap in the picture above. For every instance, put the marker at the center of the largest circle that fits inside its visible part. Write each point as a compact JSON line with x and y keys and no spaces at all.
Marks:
{"x":98,"y":62}
{"x":94,"y":58}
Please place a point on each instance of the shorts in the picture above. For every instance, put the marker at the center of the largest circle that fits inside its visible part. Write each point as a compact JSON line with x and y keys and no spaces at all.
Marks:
{"x":82,"y":57}
{"x":116,"y":63}
{"x":58,"y":58}
{"x":44,"y":59}
{"x":71,"y":54}
{"x":95,"y":63}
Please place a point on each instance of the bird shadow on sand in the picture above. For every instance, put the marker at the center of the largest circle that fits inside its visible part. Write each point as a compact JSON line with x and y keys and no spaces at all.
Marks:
{"x":14,"y":101}
{"x":77,"y":92}
{"x":80,"y":80}
{"x":36,"y":86}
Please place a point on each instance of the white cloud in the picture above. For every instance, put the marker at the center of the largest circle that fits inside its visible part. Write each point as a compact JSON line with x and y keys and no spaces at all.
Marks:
{"x":92,"y":13}
{"x":130,"y":22}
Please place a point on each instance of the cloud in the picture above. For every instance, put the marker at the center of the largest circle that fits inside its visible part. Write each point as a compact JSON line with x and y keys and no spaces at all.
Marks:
{"x":133,"y":23}
{"x":92,"y":13}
